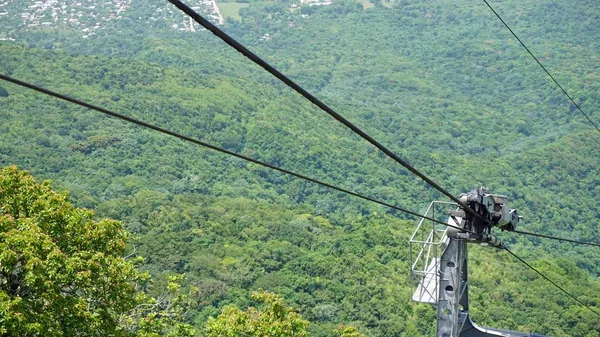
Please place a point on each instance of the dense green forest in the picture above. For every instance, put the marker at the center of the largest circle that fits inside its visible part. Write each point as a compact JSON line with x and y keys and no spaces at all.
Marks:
{"x":441,"y":83}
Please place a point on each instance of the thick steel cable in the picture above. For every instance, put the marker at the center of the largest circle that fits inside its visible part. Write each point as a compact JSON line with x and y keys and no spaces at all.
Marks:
{"x":556,"y":238}
{"x":552,"y":282}
{"x":254,"y":58}
{"x":216,"y":148}
{"x":542,"y":66}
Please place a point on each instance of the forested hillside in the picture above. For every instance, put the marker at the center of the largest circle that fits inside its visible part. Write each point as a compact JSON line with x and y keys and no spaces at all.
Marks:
{"x":441,"y":83}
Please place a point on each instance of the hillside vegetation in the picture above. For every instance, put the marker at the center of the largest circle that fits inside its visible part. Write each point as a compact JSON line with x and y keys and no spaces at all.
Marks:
{"x":441,"y":83}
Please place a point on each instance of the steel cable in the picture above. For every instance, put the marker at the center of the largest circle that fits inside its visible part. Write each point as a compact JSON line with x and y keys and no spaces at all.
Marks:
{"x":254,"y":58}
{"x":542,"y":66}
{"x":552,"y":282}
{"x":216,"y":148}
{"x":556,"y":238}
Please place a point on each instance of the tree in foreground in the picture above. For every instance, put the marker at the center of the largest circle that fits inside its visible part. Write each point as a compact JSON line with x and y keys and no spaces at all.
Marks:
{"x":64,"y":274}
{"x":274,"y":320}
{"x":347,"y":331}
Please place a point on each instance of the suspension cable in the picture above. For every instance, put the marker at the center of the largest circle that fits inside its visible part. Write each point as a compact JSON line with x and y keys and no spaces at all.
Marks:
{"x":552,"y":282}
{"x":254,"y":58}
{"x":195,"y":141}
{"x":556,"y":238}
{"x":216,"y":148}
{"x":572,"y":101}
{"x":542,"y":66}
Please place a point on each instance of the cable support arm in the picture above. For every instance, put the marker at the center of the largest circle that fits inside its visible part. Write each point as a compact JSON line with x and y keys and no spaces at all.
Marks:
{"x":215,"y":148}
{"x":254,"y":58}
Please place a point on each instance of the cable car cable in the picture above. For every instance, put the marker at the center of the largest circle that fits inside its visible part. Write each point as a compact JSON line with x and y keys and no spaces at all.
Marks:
{"x":195,"y":141}
{"x":213,"y":147}
{"x":556,"y":238}
{"x":572,"y":101}
{"x":331,"y":112}
{"x":541,"y":65}
{"x":254,"y":58}
{"x":185,"y":138}
{"x":240,"y":48}
{"x":553,"y":283}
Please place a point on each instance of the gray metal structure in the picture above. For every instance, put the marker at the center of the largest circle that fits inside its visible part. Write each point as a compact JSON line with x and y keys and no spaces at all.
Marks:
{"x":439,"y":270}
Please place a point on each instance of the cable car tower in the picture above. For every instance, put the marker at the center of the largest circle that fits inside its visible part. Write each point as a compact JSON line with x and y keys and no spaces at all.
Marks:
{"x":439,"y":259}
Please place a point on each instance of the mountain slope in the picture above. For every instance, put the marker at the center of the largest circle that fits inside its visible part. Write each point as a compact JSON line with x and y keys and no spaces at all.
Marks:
{"x":439,"y":83}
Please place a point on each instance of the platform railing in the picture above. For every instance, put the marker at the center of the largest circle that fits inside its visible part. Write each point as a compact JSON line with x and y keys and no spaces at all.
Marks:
{"x":426,"y":246}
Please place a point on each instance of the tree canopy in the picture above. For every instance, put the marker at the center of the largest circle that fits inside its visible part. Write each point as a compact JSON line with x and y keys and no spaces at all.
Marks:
{"x":274,"y":320}
{"x":61,"y":272}
{"x":441,"y":83}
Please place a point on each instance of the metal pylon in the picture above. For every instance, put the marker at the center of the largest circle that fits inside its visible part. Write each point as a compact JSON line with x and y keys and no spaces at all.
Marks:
{"x":440,"y":265}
